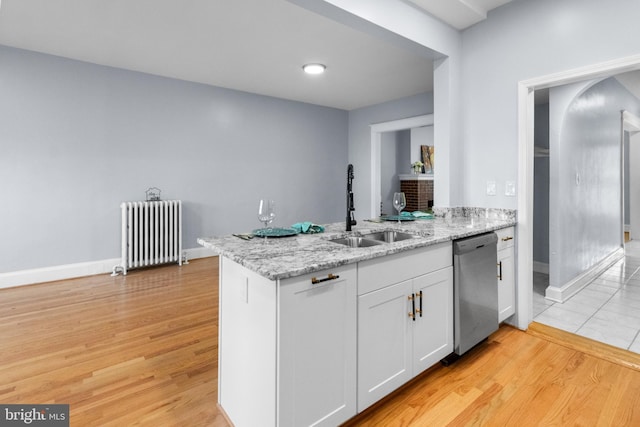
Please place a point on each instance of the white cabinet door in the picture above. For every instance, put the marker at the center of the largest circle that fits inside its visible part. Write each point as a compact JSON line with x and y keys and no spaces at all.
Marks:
{"x":433,"y":327}
{"x":384,"y":342}
{"x":317,"y":348}
{"x":506,"y":284}
{"x":506,"y":273}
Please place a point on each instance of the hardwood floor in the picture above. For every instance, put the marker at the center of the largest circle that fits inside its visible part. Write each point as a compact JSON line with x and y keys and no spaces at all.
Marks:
{"x":142,"y":350}
{"x":518,"y":379}
{"x":122,"y":351}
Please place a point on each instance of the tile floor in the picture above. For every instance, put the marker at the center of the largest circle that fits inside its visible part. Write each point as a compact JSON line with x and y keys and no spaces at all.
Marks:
{"x":607,"y":310}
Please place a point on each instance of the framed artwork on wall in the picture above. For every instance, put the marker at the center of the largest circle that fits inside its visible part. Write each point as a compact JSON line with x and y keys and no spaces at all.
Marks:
{"x":427,"y":158}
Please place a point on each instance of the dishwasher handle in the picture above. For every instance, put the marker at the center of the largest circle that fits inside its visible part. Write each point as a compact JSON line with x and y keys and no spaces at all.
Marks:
{"x":470,"y":244}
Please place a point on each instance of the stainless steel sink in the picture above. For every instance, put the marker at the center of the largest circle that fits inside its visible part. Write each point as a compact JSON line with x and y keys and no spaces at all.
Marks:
{"x":356,"y":242}
{"x":389,"y":236}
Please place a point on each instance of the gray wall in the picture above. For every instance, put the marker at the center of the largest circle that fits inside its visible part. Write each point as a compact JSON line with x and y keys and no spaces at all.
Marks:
{"x":585,"y":220}
{"x":78,"y":139}
{"x":403,"y":162}
{"x":541,"y":187}
{"x":394,"y":151}
{"x":523,"y":40}
{"x":360,"y":121}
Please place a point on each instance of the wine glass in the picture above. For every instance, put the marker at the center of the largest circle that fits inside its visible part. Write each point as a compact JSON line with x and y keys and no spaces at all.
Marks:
{"x":399,"y":202}
{"x":266,"y":212}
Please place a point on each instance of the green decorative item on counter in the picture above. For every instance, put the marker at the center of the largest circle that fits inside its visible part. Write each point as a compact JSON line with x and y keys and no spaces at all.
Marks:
{"x":275,"y":232}
{"x":307,"y":227}
{"x":421,"y":215}
{"x":404,"y":216}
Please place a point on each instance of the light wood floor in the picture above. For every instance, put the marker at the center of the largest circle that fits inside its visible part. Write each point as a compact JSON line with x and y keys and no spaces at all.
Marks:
{"x":122,"y":351}
{"x":142,"y":350}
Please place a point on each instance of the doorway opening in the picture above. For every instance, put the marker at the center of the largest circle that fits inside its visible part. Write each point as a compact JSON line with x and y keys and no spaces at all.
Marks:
{"x":526,"y":93}
{"x":377,"y":131}
{"x":631,"y":179}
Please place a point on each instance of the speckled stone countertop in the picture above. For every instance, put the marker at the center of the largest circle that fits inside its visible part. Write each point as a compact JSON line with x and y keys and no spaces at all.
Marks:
{"x":281,"y":258}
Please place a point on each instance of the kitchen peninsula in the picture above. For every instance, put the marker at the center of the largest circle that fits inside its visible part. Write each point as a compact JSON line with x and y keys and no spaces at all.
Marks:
{"x":309,"y":331}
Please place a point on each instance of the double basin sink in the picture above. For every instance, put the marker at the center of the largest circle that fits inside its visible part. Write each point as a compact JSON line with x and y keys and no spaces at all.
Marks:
{"x":373,"y":239}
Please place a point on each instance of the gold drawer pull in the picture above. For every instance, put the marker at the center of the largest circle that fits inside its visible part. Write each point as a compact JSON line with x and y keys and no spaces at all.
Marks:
{"x":315,"y":280}
{"x":506,"y":239}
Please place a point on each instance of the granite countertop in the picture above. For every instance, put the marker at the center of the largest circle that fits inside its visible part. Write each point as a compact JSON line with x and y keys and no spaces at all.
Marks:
{"x":285,"y":257}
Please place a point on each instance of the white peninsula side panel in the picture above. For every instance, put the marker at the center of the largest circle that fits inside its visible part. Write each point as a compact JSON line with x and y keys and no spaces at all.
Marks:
{"x":247,"y":346}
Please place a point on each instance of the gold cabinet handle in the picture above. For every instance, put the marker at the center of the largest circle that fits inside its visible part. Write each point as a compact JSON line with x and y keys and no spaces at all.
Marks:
{"x":315,"y":280}
{"x":412,"y":298}
{"x":506,"y":239}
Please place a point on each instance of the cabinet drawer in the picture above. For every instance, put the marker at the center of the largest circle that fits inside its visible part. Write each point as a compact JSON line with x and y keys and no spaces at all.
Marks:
{"x":506,"y":237}
{"x":320,"y":279}
{"x":377,"y":273}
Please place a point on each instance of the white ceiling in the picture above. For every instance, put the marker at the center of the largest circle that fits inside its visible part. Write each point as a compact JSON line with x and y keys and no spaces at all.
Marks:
{"x":257,"y":46}
{"x":459,"y":14}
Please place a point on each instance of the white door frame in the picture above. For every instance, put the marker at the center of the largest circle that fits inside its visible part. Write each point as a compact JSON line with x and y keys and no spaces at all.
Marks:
{"x":376,"y":139}
{"x":526,"y":88}
{"x":631,"y":124}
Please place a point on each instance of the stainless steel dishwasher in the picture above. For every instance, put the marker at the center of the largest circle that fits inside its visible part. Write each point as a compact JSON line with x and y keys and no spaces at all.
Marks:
{"x":475,"y":290}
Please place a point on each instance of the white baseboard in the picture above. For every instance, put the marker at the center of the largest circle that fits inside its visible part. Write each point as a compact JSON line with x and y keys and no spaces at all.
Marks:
{"x":195,"y":253}
{"x":561,"y":294}
{"x":541,"y":267}
{"x":70,"y":271}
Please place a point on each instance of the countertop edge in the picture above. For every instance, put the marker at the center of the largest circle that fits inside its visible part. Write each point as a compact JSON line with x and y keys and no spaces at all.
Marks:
{"x":349,"y":255}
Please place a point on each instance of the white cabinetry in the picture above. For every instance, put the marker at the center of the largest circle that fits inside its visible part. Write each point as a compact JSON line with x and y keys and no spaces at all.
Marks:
{"x":287,"y":348}
{"x":317,"y":348}
{"x":506,"y":273}
{"x":433,"y":327}
{"x":384,"y":342}
{"x":405,"y":318}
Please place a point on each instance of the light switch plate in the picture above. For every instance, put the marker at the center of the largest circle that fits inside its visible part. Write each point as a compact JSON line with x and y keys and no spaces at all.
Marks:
{"x":491,"y":188}
{"x":510,"y":188}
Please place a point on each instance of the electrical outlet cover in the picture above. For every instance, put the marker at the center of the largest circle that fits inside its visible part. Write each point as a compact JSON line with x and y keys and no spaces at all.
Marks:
{"x":510,"y":188}
{"x":491,"y":188}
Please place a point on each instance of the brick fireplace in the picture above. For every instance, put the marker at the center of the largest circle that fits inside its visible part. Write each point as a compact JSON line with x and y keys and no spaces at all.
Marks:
{"x":418,"y":190}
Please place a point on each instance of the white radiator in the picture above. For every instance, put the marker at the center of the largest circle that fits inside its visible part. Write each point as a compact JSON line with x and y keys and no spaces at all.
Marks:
{"x":151,"y":234}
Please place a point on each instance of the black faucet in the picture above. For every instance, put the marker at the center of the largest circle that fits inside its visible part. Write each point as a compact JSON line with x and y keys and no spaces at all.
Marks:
{"x":350,"y":208}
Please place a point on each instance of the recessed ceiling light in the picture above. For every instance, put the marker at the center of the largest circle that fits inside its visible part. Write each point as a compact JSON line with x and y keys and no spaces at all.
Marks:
{"x":314,"y":68}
